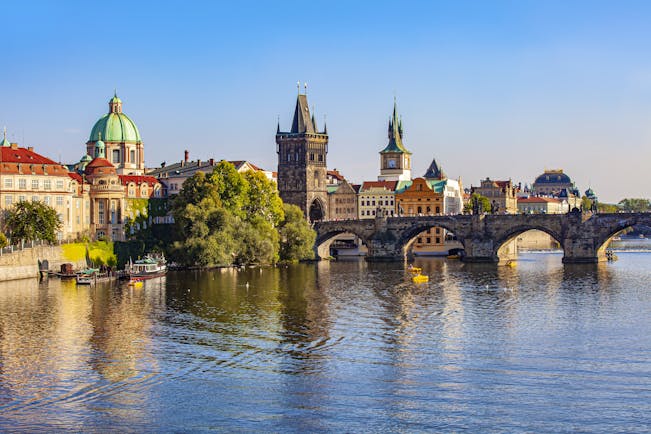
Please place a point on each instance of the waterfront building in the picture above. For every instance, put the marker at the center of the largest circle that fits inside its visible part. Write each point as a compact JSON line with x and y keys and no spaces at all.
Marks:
{"x":376,"y":197}
{"x":395,"y":159}
{"x":121,"y":138}
{"x":542,"y":205}
{"x":118,"y":201}
{"x":172,"y":176}
{"x":302,"y":166}
{"x":502,"y":194}
{"x":342,"y":201}
{"x":28,"y":176}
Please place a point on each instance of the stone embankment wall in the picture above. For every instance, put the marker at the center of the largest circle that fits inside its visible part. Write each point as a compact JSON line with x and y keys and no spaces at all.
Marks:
{"x":23,"y":264}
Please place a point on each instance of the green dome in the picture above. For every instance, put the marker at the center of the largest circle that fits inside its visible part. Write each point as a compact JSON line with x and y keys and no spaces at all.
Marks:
{"x":86,"y":159}
{"x":115,"y":127}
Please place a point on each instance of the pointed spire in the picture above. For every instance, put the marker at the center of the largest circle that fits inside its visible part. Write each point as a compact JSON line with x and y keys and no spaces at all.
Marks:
{"x":302,"y":122}
{"x":395,"y":132}
{"x":435,"y":171}
{"x":5,"y":142}
{"x":325,"y":126}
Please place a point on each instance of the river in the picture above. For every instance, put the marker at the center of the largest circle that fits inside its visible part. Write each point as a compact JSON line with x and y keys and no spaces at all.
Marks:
{"x":344,"y":346}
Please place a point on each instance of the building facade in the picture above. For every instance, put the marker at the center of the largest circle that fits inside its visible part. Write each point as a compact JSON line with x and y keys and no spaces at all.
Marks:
{"x":377,"y":197}
{"x":302,"y":166}
{"x":501,"y":194}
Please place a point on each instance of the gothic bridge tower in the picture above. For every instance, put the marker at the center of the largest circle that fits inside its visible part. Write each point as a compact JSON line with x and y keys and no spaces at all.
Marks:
{"x":302,"y":163}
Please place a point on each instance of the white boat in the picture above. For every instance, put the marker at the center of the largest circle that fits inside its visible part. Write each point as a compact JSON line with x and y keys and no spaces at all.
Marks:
{"x":87,"y":276}
{"x":146,"y":268}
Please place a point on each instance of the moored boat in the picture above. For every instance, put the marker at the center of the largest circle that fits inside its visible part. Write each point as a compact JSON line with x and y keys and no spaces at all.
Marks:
{"x":87,"y":276}
{"x":146,"y":268}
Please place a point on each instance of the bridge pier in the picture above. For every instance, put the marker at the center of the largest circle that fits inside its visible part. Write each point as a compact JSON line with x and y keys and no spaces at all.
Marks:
{"x":582,"y":251}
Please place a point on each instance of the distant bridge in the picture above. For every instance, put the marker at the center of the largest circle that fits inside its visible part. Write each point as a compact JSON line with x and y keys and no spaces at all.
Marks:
{"x":485,"y":238}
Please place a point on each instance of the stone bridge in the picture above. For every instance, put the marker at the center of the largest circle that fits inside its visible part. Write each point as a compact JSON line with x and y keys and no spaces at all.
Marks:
{"x":486,"y":238}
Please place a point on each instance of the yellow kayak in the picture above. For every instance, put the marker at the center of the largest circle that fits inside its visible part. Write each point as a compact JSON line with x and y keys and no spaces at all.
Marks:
{"x":420,"y":278}
{"x":415,"y":270}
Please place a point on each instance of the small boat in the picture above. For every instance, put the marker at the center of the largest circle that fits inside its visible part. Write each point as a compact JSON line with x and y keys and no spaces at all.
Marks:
{"x":136,"y":283}
{"x":415,"y":270}
{"x":87,"y":276}
{"x":453,"y":256}
{"x":420,"y":278}
{"x":146,"y":268}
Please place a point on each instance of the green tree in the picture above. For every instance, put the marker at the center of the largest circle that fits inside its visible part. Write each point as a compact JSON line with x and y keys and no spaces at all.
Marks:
{"x":263,"y":199}
{"x":586,"y":204}
{"x":296,"y":236}
{"x":3,"y":240}
{"x":607,"y":207}
{"x":29,"y":221}
{"x":484,"y":203}
{"x":635,"y":205}
{"x":231,"y":187}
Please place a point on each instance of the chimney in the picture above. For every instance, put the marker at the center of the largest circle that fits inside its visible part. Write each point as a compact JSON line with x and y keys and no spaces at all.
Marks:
{"x":187,"y":155}
{"x":162,"y":164}
{"x":198,"y":163}
{"x":14,"y":146}
{"x":30,"y":148}
{"x":212,"y":161}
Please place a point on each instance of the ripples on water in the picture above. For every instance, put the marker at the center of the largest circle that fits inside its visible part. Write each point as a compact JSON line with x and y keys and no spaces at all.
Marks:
{"x":344,"y":346}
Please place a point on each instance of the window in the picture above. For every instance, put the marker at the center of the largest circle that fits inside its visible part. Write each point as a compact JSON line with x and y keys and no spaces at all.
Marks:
{"x":438,"y":240}
{"x":60,"y":200}
{"x":320,"y":157}
{"x":60,"y":184}
{"x":35,"y":199}
{"x":116,"y":155}
{"x":47,"y":184}
{"x":9,"y":183}
{"x":9,"y":200}
{"x":100,"y":214}
{"x":22,"y":183}
{"x":34,"y":184}
{"x":132,"y":156}
{"x":21,"y":198}
{"x":428,"y":240}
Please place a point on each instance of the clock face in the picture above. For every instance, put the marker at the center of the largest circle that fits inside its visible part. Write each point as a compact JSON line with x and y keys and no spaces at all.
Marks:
{"x":391,"y":163}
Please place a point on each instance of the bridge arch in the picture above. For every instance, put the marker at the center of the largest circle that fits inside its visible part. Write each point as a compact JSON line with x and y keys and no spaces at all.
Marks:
{"x":410,"y":234}
{"x":324,"y":239}
{"x":609,"y":231}
{"x":505,"y":249}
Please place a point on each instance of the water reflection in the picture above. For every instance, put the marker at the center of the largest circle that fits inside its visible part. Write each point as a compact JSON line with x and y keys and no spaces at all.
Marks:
{"x":346,"y":346}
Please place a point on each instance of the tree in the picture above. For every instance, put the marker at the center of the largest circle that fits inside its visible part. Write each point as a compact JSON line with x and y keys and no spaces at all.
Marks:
{"x":263,"y":199}
{"x":484,"y":204}
{"x":29,"y":221}
{"x":296,"y":236}
{"x":231,"y":187}
{"x":3,"y":240}
{"x":635,"y":205}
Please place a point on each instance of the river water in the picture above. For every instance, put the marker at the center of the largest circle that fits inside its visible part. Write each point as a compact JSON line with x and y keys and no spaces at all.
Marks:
{"x":345,"y":346}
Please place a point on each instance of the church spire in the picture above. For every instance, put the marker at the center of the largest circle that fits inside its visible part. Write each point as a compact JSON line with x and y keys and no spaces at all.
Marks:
{"x":395,"y":132}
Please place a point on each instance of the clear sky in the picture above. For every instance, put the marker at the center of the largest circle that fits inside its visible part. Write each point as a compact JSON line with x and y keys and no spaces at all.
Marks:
{"x":500,"y":89}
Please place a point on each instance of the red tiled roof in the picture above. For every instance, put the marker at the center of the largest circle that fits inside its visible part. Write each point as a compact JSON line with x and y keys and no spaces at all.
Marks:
{"x":388,"y":185}
{"x":75,"y":176}
{"x":29,"y":161}
{"x":99,"y":162}
{"x":138,"y":179}
{"x":336,"y":174}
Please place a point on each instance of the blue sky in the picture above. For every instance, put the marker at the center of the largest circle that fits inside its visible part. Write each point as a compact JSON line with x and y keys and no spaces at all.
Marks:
{"x":500,"y":89}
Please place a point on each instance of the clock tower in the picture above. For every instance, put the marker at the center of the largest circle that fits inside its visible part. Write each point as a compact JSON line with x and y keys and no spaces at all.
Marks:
{"x":395,"y":159}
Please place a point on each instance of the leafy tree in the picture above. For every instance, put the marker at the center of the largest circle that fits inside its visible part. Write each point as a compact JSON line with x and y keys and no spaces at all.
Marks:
{"x":263,"y":199}
{"x":3,"y":240}
{"x":635,"y":205}
{"x":484,"y":203}
{"x":586,"y":204}
{"x":231,"y":187}
{"x":296,"y":236}
{"x":607,"y":207}
{"x":29,"y":221}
